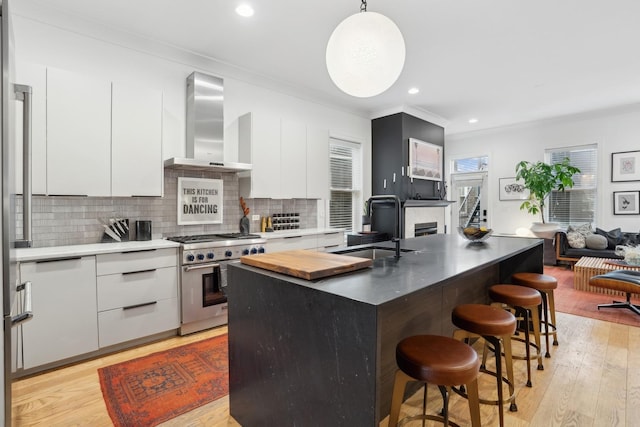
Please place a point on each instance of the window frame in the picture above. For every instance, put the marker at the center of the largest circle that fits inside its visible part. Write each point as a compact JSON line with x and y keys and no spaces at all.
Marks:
{"x":356,"y":182}
{"x":590,"y":190}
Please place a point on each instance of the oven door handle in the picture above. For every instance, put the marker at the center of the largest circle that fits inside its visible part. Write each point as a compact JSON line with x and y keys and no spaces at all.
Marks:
{"x":200,"y":266}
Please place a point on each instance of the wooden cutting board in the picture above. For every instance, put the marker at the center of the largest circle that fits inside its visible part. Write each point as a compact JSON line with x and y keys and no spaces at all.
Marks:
{"x":309,"y":265}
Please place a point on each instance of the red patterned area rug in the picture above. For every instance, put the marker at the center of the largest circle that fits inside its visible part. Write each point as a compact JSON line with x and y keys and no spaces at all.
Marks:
{"x":152,"y":389}
{"x":585,"y":304}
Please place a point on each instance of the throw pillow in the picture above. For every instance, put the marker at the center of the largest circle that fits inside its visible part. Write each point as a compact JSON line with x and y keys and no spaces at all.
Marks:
{"x":596,"y":241}
{"x":576,"y":240}
{"x":614,"y":237}
{"x":630,"y":239}
{"x":584,"y":229}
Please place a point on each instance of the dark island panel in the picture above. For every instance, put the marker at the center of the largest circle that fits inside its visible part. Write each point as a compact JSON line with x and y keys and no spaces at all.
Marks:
{"x":415,"y":314}
{"x":297,"y":355}
{"x":323,"y":352}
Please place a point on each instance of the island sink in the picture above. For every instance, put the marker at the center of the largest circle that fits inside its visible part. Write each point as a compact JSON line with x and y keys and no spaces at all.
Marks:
{"x":371,"y":252}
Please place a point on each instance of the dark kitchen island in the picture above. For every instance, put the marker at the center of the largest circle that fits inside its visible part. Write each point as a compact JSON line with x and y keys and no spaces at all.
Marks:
{"x":322,"y":353}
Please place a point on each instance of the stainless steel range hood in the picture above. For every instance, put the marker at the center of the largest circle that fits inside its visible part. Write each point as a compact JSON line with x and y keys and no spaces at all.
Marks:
{"x":205,"y":127}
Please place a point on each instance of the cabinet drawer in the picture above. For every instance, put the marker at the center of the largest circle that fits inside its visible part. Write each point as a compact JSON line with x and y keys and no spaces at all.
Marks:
{"x":120,"y":325}
{"x":125,"y":262}
{"x":331,"y":239}
{"x":291,"y":243}
{"x":126,"y":289}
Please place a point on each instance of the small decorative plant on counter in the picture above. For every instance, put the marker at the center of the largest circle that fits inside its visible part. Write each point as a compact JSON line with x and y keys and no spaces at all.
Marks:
{"x":541,"y":179}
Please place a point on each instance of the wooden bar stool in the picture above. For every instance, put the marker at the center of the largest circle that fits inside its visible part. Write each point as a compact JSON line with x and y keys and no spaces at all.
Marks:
{"x":496,"y":326}
{"x":525,"y":302}
{"x":545,"y":284}
{"x":437,"y":360}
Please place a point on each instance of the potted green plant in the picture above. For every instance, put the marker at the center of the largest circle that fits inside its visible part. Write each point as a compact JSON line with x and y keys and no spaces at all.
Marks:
{"x":541,"y":179}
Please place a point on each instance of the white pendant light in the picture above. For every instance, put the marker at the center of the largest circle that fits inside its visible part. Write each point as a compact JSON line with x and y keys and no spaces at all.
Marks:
{"x":365,"y":54}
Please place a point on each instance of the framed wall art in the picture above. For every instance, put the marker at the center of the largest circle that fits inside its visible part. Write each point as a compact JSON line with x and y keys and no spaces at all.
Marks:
{"x":425,"y":160}
{"x":510,"y":189}
{"x":199,"y":201}
{"x":625,"y":166}
{"x":626,"y":202}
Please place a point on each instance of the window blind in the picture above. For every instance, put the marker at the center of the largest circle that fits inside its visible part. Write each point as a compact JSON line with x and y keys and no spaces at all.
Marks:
{"x":346,"y":179}
{"x":576,"y":205}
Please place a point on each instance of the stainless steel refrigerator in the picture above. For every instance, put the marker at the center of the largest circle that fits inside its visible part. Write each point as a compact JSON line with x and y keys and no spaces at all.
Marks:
{"x":16,"y":298}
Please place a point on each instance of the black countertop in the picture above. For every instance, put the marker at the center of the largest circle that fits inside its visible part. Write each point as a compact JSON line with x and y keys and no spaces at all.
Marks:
{"x":435,"y":258}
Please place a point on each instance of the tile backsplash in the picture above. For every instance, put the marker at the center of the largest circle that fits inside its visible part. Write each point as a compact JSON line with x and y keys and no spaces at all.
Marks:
{"x":60,"y":220}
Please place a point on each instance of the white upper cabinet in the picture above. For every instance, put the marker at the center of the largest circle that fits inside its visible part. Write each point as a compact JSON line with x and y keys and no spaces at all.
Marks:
{"x":259,"y":144}
{"x":317,"y":163}
{"x":136,"y":141}
{"x":290,"y":160}
{"x":293,"y":159}
{"x":33,"y":75}
{"x":78,"y":134}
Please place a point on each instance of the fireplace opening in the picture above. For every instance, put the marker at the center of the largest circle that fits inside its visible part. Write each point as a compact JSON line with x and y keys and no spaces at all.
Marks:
{"x":425,"y":228}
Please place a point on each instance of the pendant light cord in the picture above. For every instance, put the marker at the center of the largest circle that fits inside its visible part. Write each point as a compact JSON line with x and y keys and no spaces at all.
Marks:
{"x":363,"y":6}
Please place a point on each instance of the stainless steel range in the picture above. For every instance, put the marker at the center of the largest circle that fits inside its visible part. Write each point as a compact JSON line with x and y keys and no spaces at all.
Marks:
{"x":203,"y":275}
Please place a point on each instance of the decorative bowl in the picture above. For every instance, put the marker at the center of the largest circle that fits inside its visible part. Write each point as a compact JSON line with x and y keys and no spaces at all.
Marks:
{"x":475,"y":234}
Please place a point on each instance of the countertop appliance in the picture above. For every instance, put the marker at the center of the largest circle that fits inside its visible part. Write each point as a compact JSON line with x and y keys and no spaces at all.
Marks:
{"x":203,"y":275}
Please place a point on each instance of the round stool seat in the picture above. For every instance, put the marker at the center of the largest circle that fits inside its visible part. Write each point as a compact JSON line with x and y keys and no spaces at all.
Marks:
{"x":515,"y":295}
{"x":437,"y":360}
{"x":541,"y":282}
{"x":483,"y":319}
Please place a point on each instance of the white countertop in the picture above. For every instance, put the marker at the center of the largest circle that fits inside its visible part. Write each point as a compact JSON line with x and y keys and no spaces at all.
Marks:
{"x":298,"y":232}
{"x":35,"y":254}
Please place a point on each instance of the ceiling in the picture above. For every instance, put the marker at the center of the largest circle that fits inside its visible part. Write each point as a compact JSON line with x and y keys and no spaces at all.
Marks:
{"x":500,"y":61}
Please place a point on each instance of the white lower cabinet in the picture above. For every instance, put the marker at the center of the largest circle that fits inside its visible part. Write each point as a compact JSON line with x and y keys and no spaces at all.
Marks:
{"x":137,"y":295}
{"x":331,"y":239}
{"x":64,"y":323}
{"x":291,"y":243}
{"x":317,"y":241}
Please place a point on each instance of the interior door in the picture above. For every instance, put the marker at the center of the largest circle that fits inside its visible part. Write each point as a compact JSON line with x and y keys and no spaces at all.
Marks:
{"x":470,"y":193}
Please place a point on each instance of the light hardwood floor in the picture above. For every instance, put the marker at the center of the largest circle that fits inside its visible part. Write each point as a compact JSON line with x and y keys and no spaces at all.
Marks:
{"x":592,"y":379}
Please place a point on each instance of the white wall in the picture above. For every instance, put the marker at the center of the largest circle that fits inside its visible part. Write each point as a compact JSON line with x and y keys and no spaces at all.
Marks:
{"x":613,"y":131}
{"x":94,"y":51}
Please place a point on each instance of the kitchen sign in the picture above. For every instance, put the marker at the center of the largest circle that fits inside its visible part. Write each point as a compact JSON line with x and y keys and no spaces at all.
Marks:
{"x":199,"y":201}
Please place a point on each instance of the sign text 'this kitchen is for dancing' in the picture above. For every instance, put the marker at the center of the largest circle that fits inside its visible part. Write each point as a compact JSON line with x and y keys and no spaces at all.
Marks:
{"x":199,"y":201}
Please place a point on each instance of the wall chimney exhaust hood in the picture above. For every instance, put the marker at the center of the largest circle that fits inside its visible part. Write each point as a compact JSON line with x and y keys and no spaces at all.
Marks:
{"x":205,"y":128}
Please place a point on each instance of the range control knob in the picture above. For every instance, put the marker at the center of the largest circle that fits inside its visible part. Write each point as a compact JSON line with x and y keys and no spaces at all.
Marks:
{"x":210,"y":255}
{"x":228,"y":254}
{"x":190,"y":258}
{"x":200,"y":257}
{"x":261,"y":250}
{"x":254,"y":251}
{"x":245,"y":252}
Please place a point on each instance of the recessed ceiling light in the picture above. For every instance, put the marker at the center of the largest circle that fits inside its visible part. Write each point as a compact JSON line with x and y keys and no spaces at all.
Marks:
{"x":474,"y":120}
{"x":413,"y":91}
{"x":244,"y":10}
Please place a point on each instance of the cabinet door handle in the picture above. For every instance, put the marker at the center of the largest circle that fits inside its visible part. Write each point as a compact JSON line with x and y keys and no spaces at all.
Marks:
{"x":139,"y":250}
{"x":329,"y":234}
{"x":129,"y":307}
{"x":72,"y":258}
{"x":27,"y":313}
{"x":293,"y":237}
{"x":139,"y":271}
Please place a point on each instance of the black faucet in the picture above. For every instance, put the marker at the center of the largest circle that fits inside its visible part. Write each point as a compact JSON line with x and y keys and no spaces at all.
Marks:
{"x":397,"y":220}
